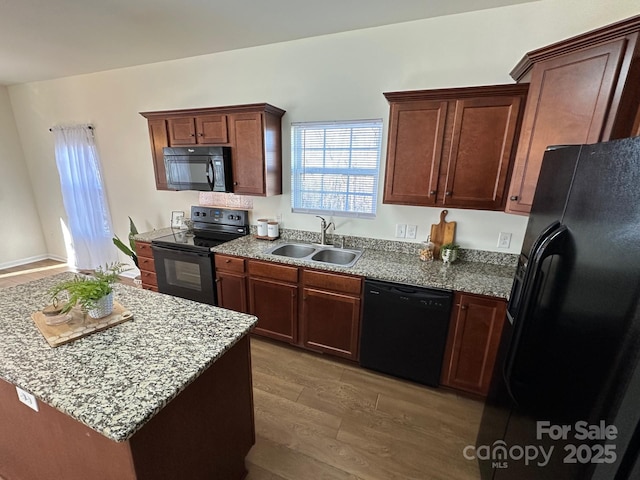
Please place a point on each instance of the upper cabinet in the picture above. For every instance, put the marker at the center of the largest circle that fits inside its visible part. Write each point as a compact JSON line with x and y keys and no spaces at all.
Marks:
{"x":200,"y":130}
{"x":452,"y":147}
{"x":253,"y":132}
{"x":582,"y":90}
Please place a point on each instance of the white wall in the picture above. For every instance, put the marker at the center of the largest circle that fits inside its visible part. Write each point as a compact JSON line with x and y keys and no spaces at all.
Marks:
{"x":21,"y":239}
{"x":339,"y":76}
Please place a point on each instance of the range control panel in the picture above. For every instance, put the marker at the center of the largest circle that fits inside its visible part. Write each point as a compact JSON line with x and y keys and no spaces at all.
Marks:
{"x":222,"y":216}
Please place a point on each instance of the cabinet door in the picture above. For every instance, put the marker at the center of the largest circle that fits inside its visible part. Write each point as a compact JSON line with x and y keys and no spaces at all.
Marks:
{"x":569,"y":97}
{"x":472,"y":344}
{"x":416,"y":137}
{"x":182,"y":131}
{"x":159,"y":140}
{"x":331,"y":322}
{"x":248,"y":154}
{"x":482,"y":143}
{"x":211,"y":129}
{"x":232,"y":291}
{"x":276,"y":306}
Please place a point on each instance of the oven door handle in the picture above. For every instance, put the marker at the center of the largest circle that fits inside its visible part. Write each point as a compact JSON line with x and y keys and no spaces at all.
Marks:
{"x":179,"y":251}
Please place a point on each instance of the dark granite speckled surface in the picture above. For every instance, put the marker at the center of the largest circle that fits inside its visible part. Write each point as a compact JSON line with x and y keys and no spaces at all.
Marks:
{"x":492,"y":274}
{"x":116,"y":380}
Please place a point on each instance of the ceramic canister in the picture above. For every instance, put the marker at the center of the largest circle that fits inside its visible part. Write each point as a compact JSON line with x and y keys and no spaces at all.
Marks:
{"x":262,"y":227}
{"x":273,"y":230}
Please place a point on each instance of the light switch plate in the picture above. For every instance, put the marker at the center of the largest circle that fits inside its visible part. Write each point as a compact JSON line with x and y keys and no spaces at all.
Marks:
{"x":401,"y":230}
{"x":412,"y":231}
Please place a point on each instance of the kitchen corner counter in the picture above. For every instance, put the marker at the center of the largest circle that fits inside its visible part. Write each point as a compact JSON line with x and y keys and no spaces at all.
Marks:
{"x":117,"y":380}
{"x":464,"y":276}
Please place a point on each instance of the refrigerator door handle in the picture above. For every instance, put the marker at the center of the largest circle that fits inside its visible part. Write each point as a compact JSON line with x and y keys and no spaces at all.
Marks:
{"x":553,"y":244}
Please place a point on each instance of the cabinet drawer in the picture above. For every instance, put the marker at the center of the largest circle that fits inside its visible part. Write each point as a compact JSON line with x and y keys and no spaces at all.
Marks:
{"x":273,"y":271}
{"x":148,"y":278}
{"x":332,"y":281}
{"x":147,"y":264}
{"x":229,"y":264}
{"x":143,"y":249}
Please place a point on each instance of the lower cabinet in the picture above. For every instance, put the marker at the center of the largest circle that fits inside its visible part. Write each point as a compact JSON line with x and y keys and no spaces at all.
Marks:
{"x":330,"y":320}
{"x":231,"y":283}
{"x":146,"y":265}
{"x":325,"y":317}
{"x":472,"y":344}
{"x":273,"y":298}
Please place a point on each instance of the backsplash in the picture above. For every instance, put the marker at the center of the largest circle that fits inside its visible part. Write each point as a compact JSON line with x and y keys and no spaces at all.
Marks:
{"x":481,"y":256}
{"x":225,"y":200}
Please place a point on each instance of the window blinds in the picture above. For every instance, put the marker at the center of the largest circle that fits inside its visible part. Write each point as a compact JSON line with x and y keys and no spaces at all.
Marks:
{"x":335,"y":167}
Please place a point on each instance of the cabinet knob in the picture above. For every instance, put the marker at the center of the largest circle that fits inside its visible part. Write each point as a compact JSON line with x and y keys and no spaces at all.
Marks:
{"x":463,"y":307}
{"x":449,"y":193}
{"x":513,"y":198}
{"x":201,"y":134}
{"x":235,"y":183}
{"x":227,"y":261}
{"x":192,"y":135}
{"x":432,"y":192}
{"x":218,"y":280}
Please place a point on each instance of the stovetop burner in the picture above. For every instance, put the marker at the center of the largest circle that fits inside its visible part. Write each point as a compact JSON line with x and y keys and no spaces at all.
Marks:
{"x":211,"y":226}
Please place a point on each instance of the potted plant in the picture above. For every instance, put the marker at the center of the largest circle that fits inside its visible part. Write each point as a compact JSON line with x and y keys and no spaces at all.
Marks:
{"x":449,"y":252}
{"x":94,"y":294}
{"x":130,"y":250}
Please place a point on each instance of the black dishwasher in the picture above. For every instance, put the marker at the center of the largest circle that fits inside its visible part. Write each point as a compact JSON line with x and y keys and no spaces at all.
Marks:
{"x":404,"y":330}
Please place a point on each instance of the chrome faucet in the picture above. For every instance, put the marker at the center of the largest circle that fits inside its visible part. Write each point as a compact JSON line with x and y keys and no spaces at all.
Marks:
{"x":323,"y":230}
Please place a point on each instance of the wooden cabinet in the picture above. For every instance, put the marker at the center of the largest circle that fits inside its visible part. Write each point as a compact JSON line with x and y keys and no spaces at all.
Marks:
{"x":582,"y":90}
{"x":252,"y":131}
{"x":330,"y":320}
{"x":201,"y":129}
{"x":473,"y":341}
{"x":146,"y":265}
{"x":231,"y":283}
{"x":452,"y":147}
{"x":273,"y":298}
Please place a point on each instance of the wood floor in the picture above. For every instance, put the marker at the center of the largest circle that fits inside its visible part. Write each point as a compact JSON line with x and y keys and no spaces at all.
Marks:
{"x":320,"y":418}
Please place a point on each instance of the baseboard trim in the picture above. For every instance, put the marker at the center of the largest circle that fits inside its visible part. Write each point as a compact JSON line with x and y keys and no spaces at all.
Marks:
{"x":36,"y":258}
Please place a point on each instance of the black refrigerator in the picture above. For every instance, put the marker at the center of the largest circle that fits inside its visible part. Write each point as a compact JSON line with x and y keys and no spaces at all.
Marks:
{"x":564,"y":402}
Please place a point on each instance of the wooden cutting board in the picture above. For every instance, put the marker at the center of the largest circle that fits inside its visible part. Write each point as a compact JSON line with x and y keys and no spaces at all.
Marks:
{"x":443,"y":232}
{"x":80,"y":325}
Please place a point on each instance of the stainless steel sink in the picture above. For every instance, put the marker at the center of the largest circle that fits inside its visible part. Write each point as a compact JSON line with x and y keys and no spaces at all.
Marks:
{"x":337,"y":256}
{"x":293,"y":250}
{"x":326,"y":254}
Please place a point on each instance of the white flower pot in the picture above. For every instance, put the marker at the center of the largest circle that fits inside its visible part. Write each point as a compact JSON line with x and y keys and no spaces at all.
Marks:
{"x":449,"y":256}
{"x":103,"y":307}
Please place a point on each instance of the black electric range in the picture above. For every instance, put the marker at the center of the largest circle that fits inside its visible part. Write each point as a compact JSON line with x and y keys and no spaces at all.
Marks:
{"x":184,"y":261}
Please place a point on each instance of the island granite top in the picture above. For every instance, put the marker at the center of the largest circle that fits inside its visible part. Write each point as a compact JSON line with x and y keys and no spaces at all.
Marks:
{"x":116,"y":380}
{"x":464,"y":276}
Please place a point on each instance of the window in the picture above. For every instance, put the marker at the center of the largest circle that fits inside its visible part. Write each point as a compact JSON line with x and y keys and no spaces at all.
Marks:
{"x":335,"y":167}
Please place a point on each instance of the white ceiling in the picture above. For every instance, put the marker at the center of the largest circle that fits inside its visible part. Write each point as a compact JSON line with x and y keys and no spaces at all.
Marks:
{"x":45,"y":39}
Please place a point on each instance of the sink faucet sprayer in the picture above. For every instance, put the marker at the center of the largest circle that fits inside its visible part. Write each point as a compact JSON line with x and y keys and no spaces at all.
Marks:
{"x":323,"y":230}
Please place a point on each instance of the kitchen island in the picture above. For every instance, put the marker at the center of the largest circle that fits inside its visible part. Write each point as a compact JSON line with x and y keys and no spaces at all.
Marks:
{"x":166,"y":395}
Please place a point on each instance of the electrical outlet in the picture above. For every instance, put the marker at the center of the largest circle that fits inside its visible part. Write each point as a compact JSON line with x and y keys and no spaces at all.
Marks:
{"x":401,"y":230}
{"x":504,"y":240}
{"x":412,"y":231}
{"x":26,"y":398}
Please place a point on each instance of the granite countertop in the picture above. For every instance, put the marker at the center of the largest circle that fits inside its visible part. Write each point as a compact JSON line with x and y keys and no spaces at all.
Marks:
{"x":116,"y":380}
{"x":465,"y":276}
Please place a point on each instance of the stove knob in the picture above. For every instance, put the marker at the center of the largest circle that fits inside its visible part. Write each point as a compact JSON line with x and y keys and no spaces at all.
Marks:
{"x":230,"y":217}
{"x":197,"y":214}
{"x":204,"y":214}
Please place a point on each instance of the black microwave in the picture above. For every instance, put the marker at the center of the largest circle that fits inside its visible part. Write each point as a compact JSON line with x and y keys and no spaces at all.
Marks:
{"x":204,"y":169}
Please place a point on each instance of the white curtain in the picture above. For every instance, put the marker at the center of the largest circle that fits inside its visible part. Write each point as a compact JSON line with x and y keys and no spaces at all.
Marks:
{"x":84,"y":197}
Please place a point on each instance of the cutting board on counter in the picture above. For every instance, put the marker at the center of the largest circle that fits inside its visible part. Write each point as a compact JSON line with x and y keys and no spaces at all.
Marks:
{"x":80,"y":325}
{"x":442,"y":233}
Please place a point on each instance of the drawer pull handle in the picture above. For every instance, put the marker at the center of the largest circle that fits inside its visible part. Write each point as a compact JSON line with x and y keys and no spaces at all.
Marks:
{"x":513,"y":198}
